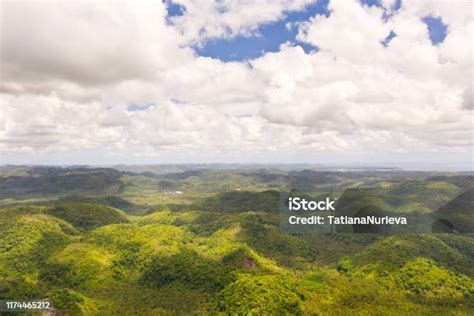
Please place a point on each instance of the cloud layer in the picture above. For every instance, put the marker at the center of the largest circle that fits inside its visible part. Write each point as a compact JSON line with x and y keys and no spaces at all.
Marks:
{"x":69,"y":75}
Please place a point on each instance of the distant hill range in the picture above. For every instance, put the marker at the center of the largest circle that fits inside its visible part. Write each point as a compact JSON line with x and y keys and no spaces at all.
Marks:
{"x":57,"y":180}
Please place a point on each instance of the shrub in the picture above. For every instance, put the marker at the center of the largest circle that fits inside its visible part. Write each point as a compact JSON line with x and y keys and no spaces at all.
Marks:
{"x":260,"y":295}
{"x":189,"y":268}
{"x":239,"y":259}
{"x":345,"y":265}
{"x":423,"y":276}
{"x":88,"y":216}
{"x":67,"y":300}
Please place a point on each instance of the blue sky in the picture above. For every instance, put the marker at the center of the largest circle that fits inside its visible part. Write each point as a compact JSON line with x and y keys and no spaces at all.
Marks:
{"x":269,"y":37}
{"x":436,"y":28}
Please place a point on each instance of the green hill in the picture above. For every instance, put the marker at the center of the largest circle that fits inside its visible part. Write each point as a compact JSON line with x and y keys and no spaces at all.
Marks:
{"x":394,"y":251}
{"x":54,"y":180}
{"x":241,"y":201}
{"x":112,"y":201}
{"x":423,"y":276}
{"x":87,"y":216}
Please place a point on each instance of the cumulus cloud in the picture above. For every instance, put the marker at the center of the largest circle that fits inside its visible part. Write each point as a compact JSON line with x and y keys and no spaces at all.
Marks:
{"x":205,"y":19}
{"x":85,"y":43}
{"x":69,"y":75}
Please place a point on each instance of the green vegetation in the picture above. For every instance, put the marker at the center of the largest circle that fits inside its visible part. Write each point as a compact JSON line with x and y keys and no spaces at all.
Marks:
{"x":393,"y":251}
{"x":261,"y":295}
{"x":189,"y":268}
{"x":422,"y":276}
{"x":104,"y":242}
{"x":87,"y":216}
{"x":242,"y":201}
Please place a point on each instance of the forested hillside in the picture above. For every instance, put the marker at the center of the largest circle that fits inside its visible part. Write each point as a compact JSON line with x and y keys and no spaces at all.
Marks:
{"x":208,"y":241}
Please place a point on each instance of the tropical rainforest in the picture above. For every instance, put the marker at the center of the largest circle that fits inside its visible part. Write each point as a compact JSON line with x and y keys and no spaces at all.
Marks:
{"x":205,"y":239}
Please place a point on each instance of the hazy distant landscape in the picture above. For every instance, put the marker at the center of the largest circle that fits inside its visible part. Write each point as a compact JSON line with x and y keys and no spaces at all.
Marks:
{"x":180,"y":239}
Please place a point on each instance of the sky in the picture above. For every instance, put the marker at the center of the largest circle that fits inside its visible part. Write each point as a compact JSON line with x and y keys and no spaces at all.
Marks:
{"x":184,"y":81}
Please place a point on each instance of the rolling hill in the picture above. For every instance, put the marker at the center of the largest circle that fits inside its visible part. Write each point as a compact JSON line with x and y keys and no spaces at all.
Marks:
{"x":72,"y":236}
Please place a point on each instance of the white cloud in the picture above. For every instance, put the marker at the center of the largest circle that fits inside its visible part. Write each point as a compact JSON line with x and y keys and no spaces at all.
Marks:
{"x":68,"y":75}
{"x":205,"y":19}
{"x":82,"y":43}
